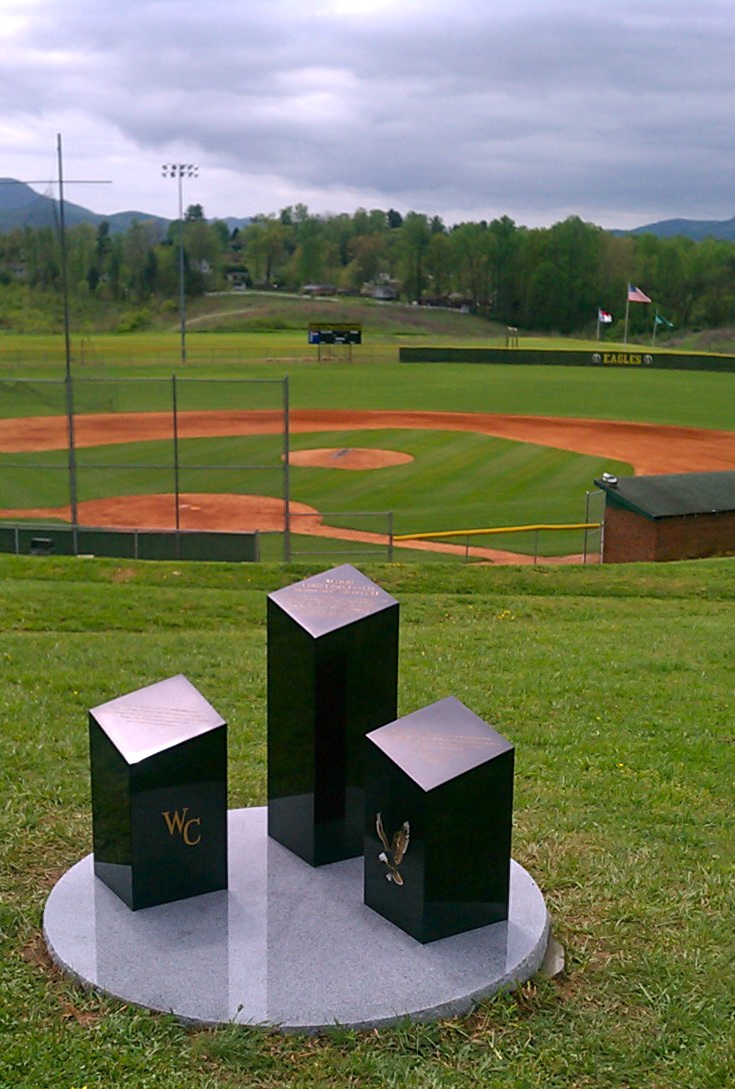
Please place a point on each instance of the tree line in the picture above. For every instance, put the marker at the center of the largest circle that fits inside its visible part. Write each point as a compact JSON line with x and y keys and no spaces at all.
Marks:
{"x":546,"y":279}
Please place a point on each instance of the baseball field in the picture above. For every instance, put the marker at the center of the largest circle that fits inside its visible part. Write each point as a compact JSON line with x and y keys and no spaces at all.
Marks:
{"x":442,"y":447}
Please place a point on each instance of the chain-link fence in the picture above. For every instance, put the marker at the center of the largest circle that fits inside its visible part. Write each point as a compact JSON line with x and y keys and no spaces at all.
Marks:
{"x":357,"y":535}
{"x":181,"y":454}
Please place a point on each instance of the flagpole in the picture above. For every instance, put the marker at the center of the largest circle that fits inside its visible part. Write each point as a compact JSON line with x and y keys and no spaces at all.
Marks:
{"x":627,"y":312}
{"x":598,"y":323}
{"x":655,"y":324}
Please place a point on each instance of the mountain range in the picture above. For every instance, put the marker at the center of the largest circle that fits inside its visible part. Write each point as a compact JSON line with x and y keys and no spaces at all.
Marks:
{"x":21,"y":206}
{"x":696,"y":229}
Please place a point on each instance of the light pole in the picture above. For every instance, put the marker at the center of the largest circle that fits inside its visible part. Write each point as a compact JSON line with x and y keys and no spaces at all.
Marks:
{"x":181,"y":171}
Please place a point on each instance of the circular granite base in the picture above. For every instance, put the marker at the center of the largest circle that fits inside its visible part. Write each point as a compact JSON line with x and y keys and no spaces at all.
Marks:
{"x":286,"y":946}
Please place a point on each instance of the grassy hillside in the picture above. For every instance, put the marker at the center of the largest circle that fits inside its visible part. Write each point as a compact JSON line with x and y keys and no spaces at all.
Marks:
{"x":259,"y":311}
{"x":251,"y":312}
{"x":615,"y":686}
{"x":256,"y":326}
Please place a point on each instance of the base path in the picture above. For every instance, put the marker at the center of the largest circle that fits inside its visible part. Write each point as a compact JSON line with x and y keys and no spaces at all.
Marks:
{"x":650,"y":448}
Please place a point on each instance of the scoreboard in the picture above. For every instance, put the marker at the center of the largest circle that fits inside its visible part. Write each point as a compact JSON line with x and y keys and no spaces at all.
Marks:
{"x":327,"y":333}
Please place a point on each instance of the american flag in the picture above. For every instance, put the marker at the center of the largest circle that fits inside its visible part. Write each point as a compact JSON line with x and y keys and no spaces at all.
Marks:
{"x":636,"y":295}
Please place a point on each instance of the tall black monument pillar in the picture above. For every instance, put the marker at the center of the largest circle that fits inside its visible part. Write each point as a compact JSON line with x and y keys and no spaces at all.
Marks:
{"x":438,"y":805}
{"x":159,"y":794}
{"x":332,"y":677}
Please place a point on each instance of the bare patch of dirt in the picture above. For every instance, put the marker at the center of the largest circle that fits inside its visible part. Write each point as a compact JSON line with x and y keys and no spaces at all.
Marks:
{"x":124,"y":574}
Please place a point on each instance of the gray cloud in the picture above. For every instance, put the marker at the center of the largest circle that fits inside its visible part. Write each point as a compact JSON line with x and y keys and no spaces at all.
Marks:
{"x":535,"y":110}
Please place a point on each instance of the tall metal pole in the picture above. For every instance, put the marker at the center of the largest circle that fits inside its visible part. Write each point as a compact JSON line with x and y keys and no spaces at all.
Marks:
{"x":176,"y":457}
{"x":67,"y":354}
{"x":181,"y":171}
{"x":286,"y":475}
{"x":182,"y":274}
{"x":73,"y":506}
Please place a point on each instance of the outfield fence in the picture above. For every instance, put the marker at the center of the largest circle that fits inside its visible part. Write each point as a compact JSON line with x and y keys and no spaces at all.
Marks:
{"x":601,"y":356}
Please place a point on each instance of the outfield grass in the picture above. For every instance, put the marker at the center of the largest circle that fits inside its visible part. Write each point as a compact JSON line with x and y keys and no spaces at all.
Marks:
{"x":688,"y":398}
{"x":615,"y":685}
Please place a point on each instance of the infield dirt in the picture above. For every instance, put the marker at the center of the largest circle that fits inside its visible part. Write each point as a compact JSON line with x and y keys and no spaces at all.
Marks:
{"x":650,"y":448}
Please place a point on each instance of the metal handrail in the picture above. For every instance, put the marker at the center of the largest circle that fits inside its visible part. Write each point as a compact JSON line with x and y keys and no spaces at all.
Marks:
{"x":495,"y":529}
{"x":536,"y":528}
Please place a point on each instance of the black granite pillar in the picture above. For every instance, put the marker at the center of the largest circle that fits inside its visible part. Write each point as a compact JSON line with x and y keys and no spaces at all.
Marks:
{"x":332,"y":677}
{"x":159,"y":794}
{"x":438,"y":817}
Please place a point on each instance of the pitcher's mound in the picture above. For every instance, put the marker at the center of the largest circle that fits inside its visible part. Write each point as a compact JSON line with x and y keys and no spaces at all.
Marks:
{"x":349,"y":457}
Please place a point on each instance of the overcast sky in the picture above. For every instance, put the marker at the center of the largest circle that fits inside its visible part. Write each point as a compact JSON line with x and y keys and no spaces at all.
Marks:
{"x":620,"y":112}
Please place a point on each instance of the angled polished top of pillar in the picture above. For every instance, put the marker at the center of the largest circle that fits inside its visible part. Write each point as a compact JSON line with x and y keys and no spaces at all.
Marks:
{"x":328,"y":601}
{"x":439,"y":742}
{"x":140,"y":724}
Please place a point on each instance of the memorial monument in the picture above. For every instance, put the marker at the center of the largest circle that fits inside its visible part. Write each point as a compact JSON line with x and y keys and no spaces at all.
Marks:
{"x":158,"y":761}
{"x":332,"y":677}
{"x":288,"y":945}
{"x":438,"y":804}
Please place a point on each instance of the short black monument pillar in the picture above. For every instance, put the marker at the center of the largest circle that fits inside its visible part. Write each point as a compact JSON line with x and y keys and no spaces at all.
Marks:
{"x":159,"y":794}
{"x":332,"y":676}
{"x":438,"y":804}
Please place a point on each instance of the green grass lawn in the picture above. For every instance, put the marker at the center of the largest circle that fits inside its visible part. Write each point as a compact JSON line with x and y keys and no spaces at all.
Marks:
{"x":689,"y":398}
{"x":614,"y":684}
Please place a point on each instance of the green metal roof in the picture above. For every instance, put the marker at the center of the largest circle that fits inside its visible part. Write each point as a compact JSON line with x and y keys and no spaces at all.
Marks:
{"x":673,"y":494}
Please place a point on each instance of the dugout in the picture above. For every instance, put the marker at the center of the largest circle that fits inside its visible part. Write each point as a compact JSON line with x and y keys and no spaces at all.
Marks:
{"x":673,"y":516}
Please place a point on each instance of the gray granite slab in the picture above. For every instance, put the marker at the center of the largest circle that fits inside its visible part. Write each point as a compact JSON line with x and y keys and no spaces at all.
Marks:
{"x":286,"y":945}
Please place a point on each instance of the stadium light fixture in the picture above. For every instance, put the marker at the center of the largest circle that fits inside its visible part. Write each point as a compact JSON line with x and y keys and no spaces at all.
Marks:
{"x":179,"y":171}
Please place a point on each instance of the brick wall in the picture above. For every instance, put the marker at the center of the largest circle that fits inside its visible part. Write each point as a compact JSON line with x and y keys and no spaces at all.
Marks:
{"x":694,"y":536}
{"x":631,"y":537}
